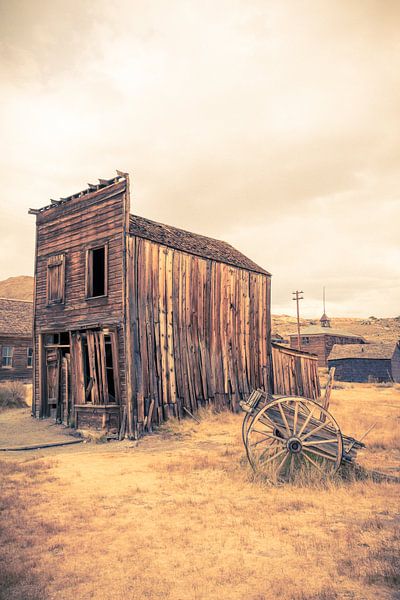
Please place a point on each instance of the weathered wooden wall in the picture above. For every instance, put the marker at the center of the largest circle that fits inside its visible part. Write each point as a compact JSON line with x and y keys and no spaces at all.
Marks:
{"x":362,"y":369}
{"x":200,"y":332}
{"x":19,"y":369}
{"x":322,"y":344}
{"x":396,"y":364}
{"x":295,"y":373}
{"x":71,"y":229}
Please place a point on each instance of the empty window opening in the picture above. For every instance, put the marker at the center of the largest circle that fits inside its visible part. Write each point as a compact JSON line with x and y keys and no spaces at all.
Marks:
{"x":29,"y":357}
{"x":97,"y":272}
{"x":6,"y":356}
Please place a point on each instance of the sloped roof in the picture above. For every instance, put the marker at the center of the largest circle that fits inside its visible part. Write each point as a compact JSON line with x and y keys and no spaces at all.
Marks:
{"x":16,"y":317}
{"x":193,"y":243}
{"x":381,"y":351}
{"x":318,"y":330}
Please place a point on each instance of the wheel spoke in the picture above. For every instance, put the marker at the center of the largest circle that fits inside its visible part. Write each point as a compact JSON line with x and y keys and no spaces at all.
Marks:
{"x":267,"y":422}
{"x":291,"y":464}
{"x":273,"y":457}
{"x":284,"y":419}
{"x":330,"y":441}
{"x":270,"y":423}
{"x":296,"y":412}
{"x":306,"y":422}
{"x":273,"y":437}
{"x":313,"y":431}
{"x":327,"y":456}
{"x":284,"y":459}
{"x":313,"y":462}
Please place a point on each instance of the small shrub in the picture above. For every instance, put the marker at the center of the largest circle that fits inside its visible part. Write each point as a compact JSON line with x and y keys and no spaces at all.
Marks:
{"x":12,"y":395}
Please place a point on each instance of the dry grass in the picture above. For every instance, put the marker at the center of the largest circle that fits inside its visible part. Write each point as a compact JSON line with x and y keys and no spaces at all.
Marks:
{"x":13,"y":395}
{"x":181,"y":516}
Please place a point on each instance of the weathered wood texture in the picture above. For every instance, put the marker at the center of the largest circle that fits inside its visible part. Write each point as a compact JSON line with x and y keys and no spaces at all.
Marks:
{"x":200,"y":332}
{"x":19,"y":369}
{"x":322,"y":344}
{"x":189,"y":317}
{"x":69,"y":231}
{"x":295,"y":373}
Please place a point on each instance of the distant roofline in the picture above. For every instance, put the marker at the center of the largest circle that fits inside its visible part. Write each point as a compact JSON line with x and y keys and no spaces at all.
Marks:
{"x":327,"y":331}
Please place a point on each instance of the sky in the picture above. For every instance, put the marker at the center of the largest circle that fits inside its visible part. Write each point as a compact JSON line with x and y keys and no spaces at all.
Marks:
{"x":274,"y":125}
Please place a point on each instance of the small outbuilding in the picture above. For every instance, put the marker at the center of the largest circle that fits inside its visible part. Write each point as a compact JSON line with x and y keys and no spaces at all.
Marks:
{"x":366,"y":362}
{"x":320,"y":339}
{"x":16,"y":353}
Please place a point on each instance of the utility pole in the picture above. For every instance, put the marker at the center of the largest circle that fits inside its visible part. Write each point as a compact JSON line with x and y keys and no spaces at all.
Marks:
{"x":297,"y":297}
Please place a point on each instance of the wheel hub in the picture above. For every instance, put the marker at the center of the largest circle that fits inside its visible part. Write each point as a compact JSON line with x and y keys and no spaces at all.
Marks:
{"x":294,"y":445}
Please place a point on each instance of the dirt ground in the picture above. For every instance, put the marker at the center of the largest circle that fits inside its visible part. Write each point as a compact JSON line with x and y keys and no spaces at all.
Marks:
{"x":179,"y":515}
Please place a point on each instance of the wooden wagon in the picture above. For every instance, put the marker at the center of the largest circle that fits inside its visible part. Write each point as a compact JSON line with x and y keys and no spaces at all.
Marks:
{"x":287,"y":437}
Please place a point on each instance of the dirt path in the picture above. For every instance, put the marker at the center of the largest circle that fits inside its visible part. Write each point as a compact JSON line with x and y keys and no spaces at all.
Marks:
{"x":178,"y":516}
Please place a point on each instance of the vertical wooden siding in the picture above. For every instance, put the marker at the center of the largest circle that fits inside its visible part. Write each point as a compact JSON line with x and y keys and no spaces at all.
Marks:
{"x":200,"y":332}
{"x":294,"y":373}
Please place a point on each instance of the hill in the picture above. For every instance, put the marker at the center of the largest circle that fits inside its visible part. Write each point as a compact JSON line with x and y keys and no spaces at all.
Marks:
{"x":17,"y":287}
{"x":372,"y":329}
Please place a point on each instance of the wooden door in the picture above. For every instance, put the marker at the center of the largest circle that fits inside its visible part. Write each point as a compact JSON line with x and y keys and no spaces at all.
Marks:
{"x":53,"y":400}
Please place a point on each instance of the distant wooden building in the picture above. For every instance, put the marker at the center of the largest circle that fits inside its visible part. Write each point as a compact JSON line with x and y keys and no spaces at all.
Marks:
{"x":366,"y":362}
{"x":138,"y":321}
{"x":320,"y":339}
{"x":16,"y":348}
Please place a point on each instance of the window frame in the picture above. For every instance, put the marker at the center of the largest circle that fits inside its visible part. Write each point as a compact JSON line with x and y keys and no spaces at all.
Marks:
{"x":8,"y":356}
{"x":57,"y":260}
{"x":29,"y":356}
{"x":89,"y":271}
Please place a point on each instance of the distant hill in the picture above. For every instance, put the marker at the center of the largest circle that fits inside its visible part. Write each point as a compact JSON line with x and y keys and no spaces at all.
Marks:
{"x":372,"y":329}
{"x":17,"y":287}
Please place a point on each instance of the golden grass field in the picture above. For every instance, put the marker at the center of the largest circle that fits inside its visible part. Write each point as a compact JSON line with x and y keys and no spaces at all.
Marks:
{"x":179,"y":515}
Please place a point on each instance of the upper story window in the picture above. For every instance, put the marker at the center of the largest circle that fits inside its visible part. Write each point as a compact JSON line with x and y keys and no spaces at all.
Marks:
{"x":305,"y":340}
{"x":56,"y":279}
{"x":29,"y":357}
{"x":96,"y":271}
{"x":7,"y":356}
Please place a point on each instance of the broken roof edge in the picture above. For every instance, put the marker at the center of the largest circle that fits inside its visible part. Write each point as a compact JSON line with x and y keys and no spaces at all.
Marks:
{"x":173,"y":237}
{"x":192,"y":243}
{"x":296,"y":351}
{"x":91,"y":190}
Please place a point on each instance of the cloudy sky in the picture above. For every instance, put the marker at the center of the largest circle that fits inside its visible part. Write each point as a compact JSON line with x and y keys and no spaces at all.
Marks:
{"x":272,"y":124}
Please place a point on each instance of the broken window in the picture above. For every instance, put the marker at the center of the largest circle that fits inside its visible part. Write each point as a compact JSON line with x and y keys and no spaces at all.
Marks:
{"x":6,"y":356}
{"x":96,"y":272}
{"x":55,"y":279}
{"x":29,"y":355}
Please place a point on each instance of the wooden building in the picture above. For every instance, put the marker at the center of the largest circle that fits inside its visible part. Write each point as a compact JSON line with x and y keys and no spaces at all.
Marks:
{"x":136,"y":321}
{"x":134,"y":314}
{"x":320,"y":339}
{"x":16,"y":348}
{"x":366,"y":362}
{"x":295,"y":373}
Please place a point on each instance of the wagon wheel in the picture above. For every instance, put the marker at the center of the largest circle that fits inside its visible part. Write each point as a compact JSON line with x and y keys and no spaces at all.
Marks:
{"x":291,"y":437}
